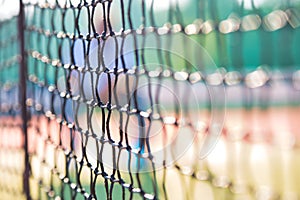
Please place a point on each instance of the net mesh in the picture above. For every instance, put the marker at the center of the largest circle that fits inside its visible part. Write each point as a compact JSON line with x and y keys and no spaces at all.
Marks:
{"x":83,"y":99}
{"x":113,"y":103}
{"x":10,"y":123}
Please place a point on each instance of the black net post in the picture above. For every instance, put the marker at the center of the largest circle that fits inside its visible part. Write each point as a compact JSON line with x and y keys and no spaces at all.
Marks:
{"x":22,"y":96}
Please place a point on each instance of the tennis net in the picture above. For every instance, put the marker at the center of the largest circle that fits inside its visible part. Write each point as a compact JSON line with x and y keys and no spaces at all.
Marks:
{"x":125,"y":99}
